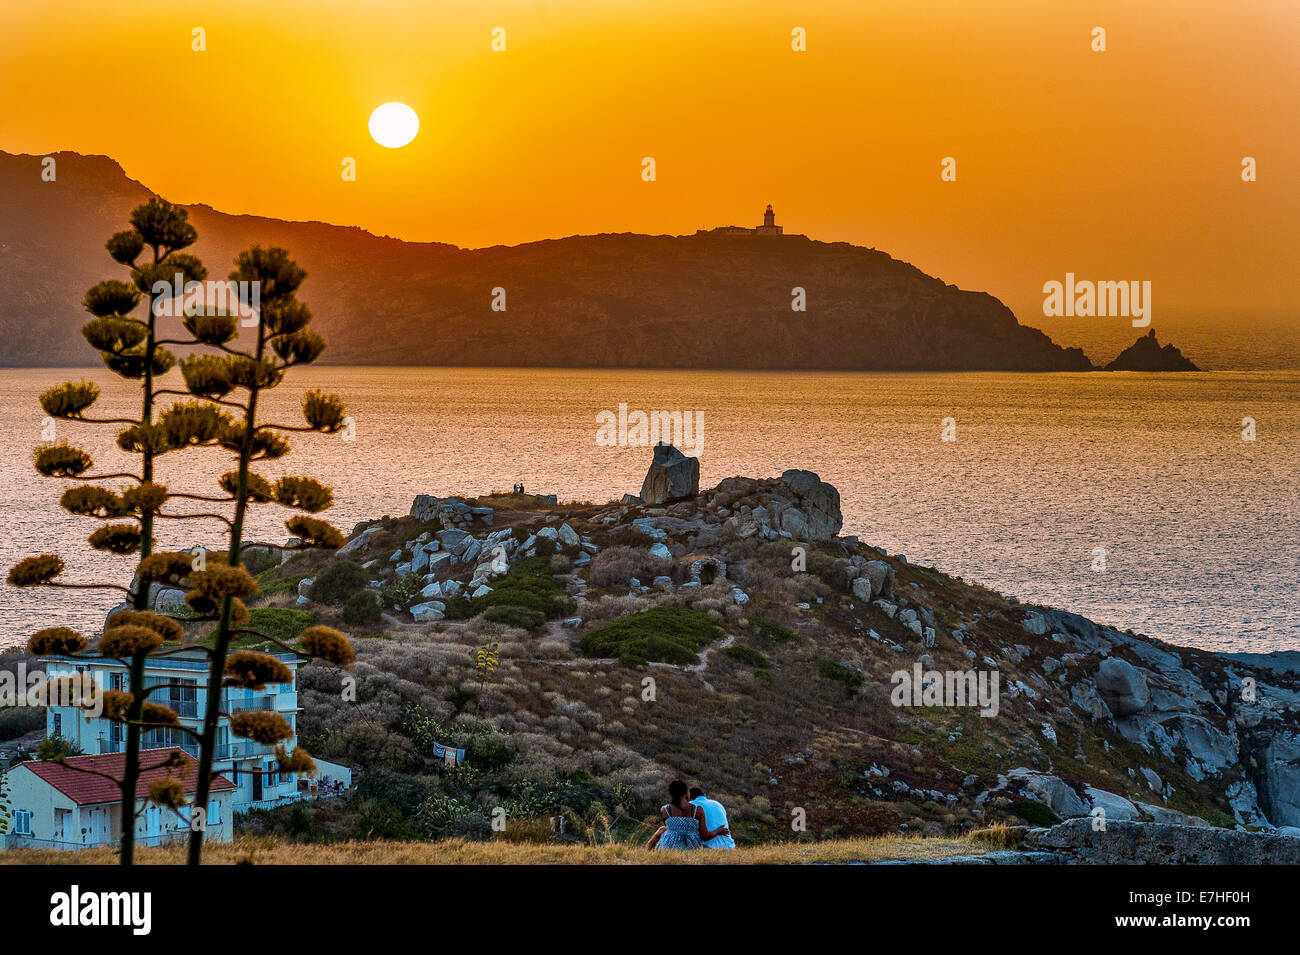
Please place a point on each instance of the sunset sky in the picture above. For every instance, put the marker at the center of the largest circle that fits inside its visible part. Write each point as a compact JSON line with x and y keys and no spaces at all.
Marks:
{"x":1117,"y":165}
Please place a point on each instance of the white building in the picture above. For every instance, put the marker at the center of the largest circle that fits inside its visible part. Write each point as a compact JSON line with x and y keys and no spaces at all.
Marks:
{"x":57,"y":806}
{"x":769,"y":227}
{"x":251,"y":767}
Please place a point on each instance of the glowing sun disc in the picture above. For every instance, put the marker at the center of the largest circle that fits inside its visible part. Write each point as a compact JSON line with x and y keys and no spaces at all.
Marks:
{"x":394,"y":125}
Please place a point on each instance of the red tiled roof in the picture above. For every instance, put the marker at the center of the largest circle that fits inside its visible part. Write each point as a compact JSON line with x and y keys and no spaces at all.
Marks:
{"x":87,"y":789}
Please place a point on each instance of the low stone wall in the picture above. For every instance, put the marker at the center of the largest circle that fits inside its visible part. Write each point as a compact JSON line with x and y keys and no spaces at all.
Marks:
{"x":1145,"y":843}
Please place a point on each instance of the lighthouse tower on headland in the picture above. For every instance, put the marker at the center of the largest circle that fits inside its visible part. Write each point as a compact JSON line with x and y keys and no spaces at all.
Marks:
{"x":769,"y":227}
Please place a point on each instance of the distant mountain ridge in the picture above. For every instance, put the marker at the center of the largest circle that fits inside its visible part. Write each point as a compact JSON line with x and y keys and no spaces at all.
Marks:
{"x":612,"y":300}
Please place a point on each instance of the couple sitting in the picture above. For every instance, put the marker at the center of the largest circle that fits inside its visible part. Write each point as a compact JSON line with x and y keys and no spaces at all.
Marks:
{"x":691,"y":821}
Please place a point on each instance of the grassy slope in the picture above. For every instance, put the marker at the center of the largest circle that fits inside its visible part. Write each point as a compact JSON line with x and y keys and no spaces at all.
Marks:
{"x":766,"y":741}
{"x":460,"y":852}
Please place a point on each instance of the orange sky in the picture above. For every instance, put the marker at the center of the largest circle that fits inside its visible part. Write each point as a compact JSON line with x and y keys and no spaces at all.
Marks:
{"x":1115,"y":165}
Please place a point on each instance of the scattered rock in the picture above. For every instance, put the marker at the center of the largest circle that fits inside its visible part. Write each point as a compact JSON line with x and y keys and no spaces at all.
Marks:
{"x":359,"y":542}
{"x":428,"y":612}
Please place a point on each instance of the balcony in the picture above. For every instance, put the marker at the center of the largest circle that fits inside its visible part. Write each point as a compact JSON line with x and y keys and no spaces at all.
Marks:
{"x":186,"y":709}
{"x":241,"y":749}
{"x":262,"y":702}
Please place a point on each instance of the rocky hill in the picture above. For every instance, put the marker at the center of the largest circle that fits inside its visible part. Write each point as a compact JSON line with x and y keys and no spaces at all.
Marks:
{"x":635,"y":301}
{"x":734,"y":638}
{"x":1147,"y":354}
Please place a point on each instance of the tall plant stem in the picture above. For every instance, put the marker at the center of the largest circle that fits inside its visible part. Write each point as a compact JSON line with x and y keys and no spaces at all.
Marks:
{"x":221,"y":644}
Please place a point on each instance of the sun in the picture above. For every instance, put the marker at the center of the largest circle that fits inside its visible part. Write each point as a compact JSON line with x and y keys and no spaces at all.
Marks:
{"x":394,"y":125}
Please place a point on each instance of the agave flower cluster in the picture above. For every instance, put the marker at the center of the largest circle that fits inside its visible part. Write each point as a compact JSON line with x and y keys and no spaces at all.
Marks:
{"x":217,"y":408}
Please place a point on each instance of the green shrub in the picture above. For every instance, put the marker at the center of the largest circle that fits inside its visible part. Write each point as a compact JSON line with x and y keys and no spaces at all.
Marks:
{"x":1219,"y":818}
{"x":400,"y":592}
{"x":458,"y":607}
{"x":474,"y":826}
{"x":407,"y":793}
{"x":380,"y":819}
{"x":362,"y":608}
{"x":747,"y":655}
{"x":768,"y":633}
{"x":833,"y":571}
{"x":337,"y":581}
{"x":258,"y":560}
{"x":440,"y":812}
{"x":530,"y":585}
{"x":1035,"y":813}
{"x":661,"y":634}
{"x":487,"y":754}
{"x":283,"y":623}
{"x":56,"y":747}
{"x":839,"y":672}
{"x":299,"y":822}
{"x":268,"y":584}
{"x":513,"y":616}
{"x":531,"y":567}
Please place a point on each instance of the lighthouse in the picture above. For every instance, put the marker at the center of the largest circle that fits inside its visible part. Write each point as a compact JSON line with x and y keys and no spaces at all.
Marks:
{"x":769,"y":226}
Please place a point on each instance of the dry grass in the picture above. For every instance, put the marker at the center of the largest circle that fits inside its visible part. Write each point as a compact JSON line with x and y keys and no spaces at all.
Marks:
{"x":457,"y":852}
{"x":999,"y":836}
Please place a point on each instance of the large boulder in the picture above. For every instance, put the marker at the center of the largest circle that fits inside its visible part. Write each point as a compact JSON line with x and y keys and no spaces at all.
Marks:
{"x":1115,"y":806}
{"x":818,"y":503}
{"x":1122,"y":686}
{"x":672,"y":476}
{"x":428,"y":612}
{"x":1051,"y":791}
{"x":881,"y":576}
{"x":1279,"y":794}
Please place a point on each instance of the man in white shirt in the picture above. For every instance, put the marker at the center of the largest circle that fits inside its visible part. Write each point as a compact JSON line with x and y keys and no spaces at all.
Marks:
{"x":715,"y":817}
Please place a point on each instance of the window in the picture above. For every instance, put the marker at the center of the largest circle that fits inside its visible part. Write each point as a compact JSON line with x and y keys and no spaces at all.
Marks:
{"x":58,"y":724}
{"x":182,"y":696}
{"x":23,"y":822}
{"x":214,"y":813}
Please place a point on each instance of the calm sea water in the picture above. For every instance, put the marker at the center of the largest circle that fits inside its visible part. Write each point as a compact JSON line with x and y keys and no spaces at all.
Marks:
{"x":1199,"y":527}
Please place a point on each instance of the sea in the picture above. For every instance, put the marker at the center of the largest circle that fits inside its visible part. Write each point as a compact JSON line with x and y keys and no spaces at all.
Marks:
{"x":1161,"y":503}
